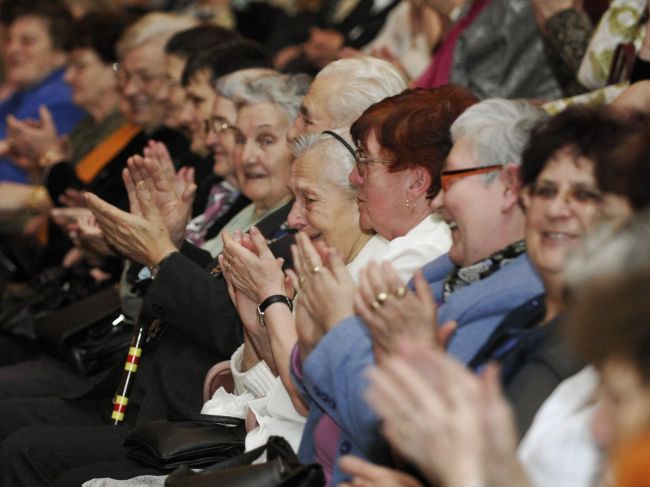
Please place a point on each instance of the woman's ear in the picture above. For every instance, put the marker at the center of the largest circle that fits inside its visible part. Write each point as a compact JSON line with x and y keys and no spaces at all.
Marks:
{"x":510,"y":177}
{"x":419,"y":181}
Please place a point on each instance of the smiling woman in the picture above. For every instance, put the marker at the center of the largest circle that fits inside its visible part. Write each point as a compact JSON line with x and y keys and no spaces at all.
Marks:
{"x":33,"y":55}
{"x":266,"y":108}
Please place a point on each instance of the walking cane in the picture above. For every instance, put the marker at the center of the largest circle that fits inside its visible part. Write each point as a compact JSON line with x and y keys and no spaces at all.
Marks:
{"x":121,"y":399}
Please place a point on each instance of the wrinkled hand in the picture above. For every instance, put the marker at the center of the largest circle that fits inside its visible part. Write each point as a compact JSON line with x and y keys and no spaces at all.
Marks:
{"x":257,"y":335}
{"x":172,"y":197}
{"x":430,"y":406}
{"x":92,"y":238}
{"x":251,"y":266}
{"x":433,"y":407}
{"x":324,"y":284}
{"x":73,"y":198}
{"x":141,"y":237}
{"x":391,"y":311}
{"x":31,"y":140}
{"x":367,"y":474}
{"x":67,"y":216}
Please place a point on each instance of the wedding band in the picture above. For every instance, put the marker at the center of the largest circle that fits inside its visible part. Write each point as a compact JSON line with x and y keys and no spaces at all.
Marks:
{"x":316,"y":269}
{"x":381,"y":297}
{"x":400,"y":292}
{"x":302,"y":279}
{"x":228,"y":266}
{"x":376,"y":304}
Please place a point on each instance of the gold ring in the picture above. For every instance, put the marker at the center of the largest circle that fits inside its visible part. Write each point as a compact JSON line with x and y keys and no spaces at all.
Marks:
{"x":316,"y":269}
{"x":400,"y":292}
{"x":228,"y":266}
{"x":381,"y":297}
{"x":302,"y":279}
{"x":376,"y":304}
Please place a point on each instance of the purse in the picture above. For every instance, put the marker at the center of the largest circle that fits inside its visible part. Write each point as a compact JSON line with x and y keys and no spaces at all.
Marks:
{"x":194,"y":440}
{"x":91,"y":334}
{"x":282,"y":469}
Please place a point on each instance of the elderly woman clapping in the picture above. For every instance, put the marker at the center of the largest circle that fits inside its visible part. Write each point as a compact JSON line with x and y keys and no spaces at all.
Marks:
{"x":262,"y":158}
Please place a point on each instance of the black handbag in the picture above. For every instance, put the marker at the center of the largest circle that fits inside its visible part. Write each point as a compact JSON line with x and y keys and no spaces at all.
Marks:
{"x":196,"y":440}
{"x":282,"y":469}
{"x":91,"y":334}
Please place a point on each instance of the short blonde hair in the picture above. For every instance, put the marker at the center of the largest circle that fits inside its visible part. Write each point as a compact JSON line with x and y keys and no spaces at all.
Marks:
{"x":156,"y":26}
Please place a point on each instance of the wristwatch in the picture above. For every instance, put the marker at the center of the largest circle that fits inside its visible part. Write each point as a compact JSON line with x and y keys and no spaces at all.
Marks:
{"x":276,"y":298}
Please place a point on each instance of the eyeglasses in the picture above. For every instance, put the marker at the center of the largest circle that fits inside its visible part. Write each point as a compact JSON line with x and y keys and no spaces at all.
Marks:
{"x":139,"y":78}
{"x":578,"y":196}
{"x":362,"y":160}
{"x":447,"y":178}
{"x":216,"y":125}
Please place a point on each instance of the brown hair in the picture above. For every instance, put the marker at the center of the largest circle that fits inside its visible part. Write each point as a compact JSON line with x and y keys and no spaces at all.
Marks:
{"x":413,"y":127}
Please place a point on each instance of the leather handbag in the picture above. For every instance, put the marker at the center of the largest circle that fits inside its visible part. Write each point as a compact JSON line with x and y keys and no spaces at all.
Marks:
{"x":282,"y":469}
{"x":195,"y":440}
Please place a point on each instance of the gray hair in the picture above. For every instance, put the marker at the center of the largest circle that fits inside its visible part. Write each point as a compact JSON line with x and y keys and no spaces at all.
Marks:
{"x":610,"y":250}
{"x":156,"y":26}
{"x":335,"y":158}
{"x":356,"y":83}
{"x":498,"y":130}
{"x":282,"y":90}
{"x":233,"y":85}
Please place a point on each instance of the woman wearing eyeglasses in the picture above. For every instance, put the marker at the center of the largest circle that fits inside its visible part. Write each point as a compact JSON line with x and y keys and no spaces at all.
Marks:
{"x":400,"y":153}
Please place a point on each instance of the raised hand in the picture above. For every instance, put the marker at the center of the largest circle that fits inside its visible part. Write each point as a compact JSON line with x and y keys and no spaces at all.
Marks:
{"x":324,"y":284}
{"x":172,"y":192}
{"x":250,"y":265}
{"x":391,"y":311}
{"x":433,"y":407}
{"x":36,"y":141}
{"x":141,"y":236}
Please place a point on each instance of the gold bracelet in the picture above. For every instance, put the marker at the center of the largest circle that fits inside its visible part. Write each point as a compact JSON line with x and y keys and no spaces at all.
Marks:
{"x":37,"y":200}
{"x":49,"y":156}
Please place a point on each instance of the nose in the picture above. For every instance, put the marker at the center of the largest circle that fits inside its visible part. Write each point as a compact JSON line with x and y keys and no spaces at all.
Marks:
{"x":437,"y":202}
{"x":295,"y":130}
{"x":67,"y":75}
{"x":130,"y":88}
{"x":354,"y":177}
{"x":250,"y":152}
{"x":162,"y":95}
{"x":560,"y":206}
{"x":211,"y":140}
{"x":186,"y":114}
{"x":296,"y":218}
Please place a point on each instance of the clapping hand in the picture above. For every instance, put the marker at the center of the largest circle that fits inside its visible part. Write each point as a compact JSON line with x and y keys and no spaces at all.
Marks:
{"x":391,"y":311}
{"x":140,"y":235}
{"x":324,"y":284}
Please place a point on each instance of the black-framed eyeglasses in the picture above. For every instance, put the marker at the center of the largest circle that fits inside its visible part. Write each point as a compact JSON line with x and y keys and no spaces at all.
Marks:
{"x":447,"y":178}
{"x":216,"y":125}
{"x":362,"y":161}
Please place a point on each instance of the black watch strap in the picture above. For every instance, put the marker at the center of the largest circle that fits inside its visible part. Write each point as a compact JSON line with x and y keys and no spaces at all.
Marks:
{"x":275,"y":298}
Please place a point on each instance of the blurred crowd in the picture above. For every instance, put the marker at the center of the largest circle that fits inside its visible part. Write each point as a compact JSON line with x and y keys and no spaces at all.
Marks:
{"x":410,"y":237}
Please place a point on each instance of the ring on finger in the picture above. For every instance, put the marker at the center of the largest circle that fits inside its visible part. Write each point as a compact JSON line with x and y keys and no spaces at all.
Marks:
{"x":376,"y":304}
{"x":400,"y":292}
{"x":302,"y":279}
{"x":316,"y":269}
{"x":381,"y":297}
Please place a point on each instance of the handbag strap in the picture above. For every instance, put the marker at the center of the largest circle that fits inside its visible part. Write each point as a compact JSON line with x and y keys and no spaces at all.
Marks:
{"x":207,"y":418}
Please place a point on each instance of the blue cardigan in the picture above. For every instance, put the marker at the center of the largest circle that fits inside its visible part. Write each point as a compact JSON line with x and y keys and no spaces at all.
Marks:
{"x":332,"y":377}
{"x":52,"y":92}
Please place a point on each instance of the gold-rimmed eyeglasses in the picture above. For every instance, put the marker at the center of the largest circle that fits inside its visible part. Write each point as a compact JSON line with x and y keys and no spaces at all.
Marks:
{"x":362,"y":160}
